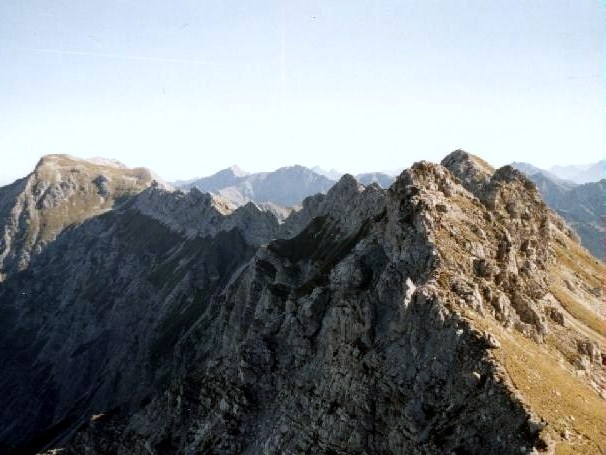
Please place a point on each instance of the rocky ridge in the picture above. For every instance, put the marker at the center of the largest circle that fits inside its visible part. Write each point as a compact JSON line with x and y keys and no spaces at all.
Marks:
{"x":406,"y":320}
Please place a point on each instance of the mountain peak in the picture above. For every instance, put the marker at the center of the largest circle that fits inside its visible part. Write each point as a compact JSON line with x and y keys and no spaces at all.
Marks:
{"x":237,"y":171}
{"x":56,"y":167}
{"x":529,"y":169}
{"x":332,"y":174}
{"x":347,"y":184}
{"x":473,"y":171}
{"x":286,"y":186}
{"x":593,"y":172}
{"x":107,"y":162}
{"x":296,"y":168}
{"x":461,"y":159}
{"x":57,"y":160}
{"x":61,"y":191}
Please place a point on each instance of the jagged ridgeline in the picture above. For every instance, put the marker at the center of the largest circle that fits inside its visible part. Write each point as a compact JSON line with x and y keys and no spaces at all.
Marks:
{"x":452,"y":313}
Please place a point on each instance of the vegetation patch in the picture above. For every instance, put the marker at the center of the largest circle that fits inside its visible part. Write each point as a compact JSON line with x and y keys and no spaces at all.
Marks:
{"x":569,"y":405}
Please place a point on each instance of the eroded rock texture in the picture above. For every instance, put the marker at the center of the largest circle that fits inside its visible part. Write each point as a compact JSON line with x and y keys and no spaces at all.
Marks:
{"x":371,"y":321}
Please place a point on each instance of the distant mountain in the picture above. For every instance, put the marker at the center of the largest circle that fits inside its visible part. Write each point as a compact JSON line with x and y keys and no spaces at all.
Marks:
{"x":530,"y":169}
{"x":213,"y":183}
{"x":583,"y":209}
{"x":578,"y":174}
{"x":581,"y":206}
{"x":581,"y":173}
{"x":552,"y":189}
{"x":287,"y":186}
{"x":384,"y":180}
{"x":332,"y":174}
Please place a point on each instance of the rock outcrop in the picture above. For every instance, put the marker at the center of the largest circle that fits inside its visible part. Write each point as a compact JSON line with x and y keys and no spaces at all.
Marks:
{"x":451,"y":313}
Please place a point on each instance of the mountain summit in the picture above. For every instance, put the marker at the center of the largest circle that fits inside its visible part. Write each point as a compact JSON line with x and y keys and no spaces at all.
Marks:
{"x":61,"y":191}
{"x":451,"y":313}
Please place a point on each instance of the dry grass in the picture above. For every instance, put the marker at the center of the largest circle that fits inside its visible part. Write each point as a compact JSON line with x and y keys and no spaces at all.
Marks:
{"x":51,"y":163}
{"x":575,"y":261}
{"x":482,"y":164}
{"x":579,"y":262}
{"x":579,"y":311}
{"x":85,"y":200}
{"x":553,"y":392}
{"x":556,"y":395}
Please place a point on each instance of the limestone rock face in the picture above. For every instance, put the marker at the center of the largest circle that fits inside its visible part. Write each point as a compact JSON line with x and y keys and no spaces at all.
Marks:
{"x":361,"y":202}
{"x":442,"y":315}
{"x":197,"y":214}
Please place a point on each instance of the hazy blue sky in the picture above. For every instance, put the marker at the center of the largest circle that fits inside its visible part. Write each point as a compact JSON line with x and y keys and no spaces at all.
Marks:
{"x":188,"y":87}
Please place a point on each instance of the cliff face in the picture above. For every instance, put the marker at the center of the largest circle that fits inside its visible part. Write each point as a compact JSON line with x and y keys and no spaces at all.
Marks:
{"x":451,"y":313}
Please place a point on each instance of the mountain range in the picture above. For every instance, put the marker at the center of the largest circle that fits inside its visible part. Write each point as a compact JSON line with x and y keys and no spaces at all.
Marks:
{"x":579,"y":174}
{"x":453,"y":312}
{"x":286,"y":187}
{"x":579,"y":205}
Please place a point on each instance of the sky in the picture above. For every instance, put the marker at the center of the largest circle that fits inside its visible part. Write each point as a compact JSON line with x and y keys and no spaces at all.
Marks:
{"x":188,"y":87}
